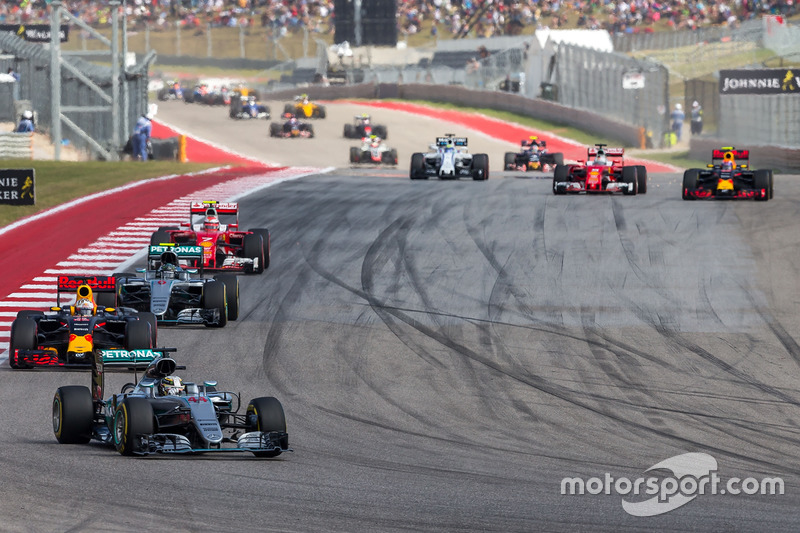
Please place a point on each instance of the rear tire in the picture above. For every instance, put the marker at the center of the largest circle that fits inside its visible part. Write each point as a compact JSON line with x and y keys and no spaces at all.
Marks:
{"x":417,"y":170}
{"x":381,"y":132}
{"x":480,"y":167}
{"x":137,"y":335}
{"x":133,"y":417}
{"x":641,"y":176}
{"x":269,"y":416}
{"x":73,"y":414}
{"x":690,"y":178}
{"x":23,"y":337}
{"x":231,"y":294}
{"x":214,"y":297}
{"x":151,"y":320}
{"x":349,"y":131}
{"x":159,"y":237}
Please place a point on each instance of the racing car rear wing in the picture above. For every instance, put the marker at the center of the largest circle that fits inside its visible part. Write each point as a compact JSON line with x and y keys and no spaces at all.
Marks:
{"x":457,"y":141}
{"x":731,"y":154}
{"x":610,"y":152}
{"x":79,"y":284}
{"x":222,"y":208}
{"x":187,"y":252}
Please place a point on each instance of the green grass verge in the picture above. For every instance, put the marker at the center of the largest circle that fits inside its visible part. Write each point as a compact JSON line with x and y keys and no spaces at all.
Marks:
{"x":61,"y":181}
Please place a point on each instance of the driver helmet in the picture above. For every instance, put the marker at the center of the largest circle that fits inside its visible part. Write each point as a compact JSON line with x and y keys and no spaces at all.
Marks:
{"x":171,"y":386}
{"x":251,"y":99}
{"x":211,"y":223}
{"x":727,"y":165}
{"x":601,"y":158}
{"x":84,"y":307}
{"x":168,"y":271}
{"x":27,"y":114}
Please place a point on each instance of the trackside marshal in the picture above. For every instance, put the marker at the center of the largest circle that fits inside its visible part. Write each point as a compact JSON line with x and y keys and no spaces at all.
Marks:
{"x":17,"y":186}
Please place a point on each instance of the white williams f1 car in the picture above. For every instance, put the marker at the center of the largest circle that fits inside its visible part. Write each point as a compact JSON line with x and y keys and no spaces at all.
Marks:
{"x":449,"y":159}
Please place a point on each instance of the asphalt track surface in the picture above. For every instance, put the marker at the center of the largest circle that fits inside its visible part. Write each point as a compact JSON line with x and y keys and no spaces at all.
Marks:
{"x":446,"y":352}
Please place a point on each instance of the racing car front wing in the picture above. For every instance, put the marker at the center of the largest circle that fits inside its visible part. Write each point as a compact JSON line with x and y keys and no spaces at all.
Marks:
{"x":254,"y":441}
{"x":580,"y":186}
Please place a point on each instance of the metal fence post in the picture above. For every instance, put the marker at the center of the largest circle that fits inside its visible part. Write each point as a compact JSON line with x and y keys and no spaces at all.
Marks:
{"x":55,"y":77}
{"x":114,"y":74}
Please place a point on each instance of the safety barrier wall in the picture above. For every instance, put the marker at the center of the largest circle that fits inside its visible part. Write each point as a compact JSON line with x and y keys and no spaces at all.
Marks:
{"x":534,"y":108}
{"x":16,"y":145}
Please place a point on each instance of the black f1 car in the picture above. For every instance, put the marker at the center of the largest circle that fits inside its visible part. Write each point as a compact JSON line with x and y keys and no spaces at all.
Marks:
{"x":728,"y":176}
{"x":178,"y":295}
{"x":291,"y":128}
{"x":162,"y":414}
{"x":66,"y":336}
{"x":362,"y":127}
{"x":532,"y":156}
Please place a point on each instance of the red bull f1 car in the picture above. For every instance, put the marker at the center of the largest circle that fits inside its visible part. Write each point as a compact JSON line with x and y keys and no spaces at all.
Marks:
{"x":214,"y":226}
{"x":728,"y":176}
{"x":532,"y":156}
{"x":162,"y":414}
{"x":65,"y":336}
{"x":603,"y":171}
{"x":291,"y":128}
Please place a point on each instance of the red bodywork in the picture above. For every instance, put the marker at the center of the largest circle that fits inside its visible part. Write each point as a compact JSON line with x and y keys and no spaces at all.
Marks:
{"x":223,"y":249}
{"x":591,"y":177}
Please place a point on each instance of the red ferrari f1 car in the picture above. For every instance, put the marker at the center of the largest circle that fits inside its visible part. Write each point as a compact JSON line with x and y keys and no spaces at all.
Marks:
{"x":603,"y":171}
{"x":728,"y":176}
{"x":214,"y":226}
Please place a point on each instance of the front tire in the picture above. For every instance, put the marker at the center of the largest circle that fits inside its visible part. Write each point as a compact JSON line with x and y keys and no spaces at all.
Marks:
{"x":253,"y":248}
{"x":510,"y":161}
{"x":355,"y":154}
{"x":264,"y":232}
{"x":629,"y":176}
{"x":231,"y":294}
{"x":152,"y":322}
{"x":73,"y":414}
{"x":215,"y":297}
{"x":417,"y":169}
{"x":133,"y":418}
{"x":269,"y":416}
{"x":23,"y":337}
{"x":159,"y":237}
{"x":560,"y":175}
{"x":480,"y":167}
{"x":690,"y":178}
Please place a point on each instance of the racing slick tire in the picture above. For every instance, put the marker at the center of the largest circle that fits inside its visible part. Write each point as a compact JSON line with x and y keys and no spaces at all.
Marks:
{"x":23,"y":337}
{"x":560,"y":174}
{"x":480,"y":167}
{"x":268,"y":415}
{"x":105,"y":299}
{"x":275,"y":129}
{"x":133,"y":417}
{"x":761,"y":181}
{"x":158,"y":237}
{"x":167,"y":228}
{"x":771,"y":185}
{"x":641,"y":175}
{"x":381,"y":131}
{"x":288,"y":108}
{"x":394,"y":157}
{"x":310,"y":130}
{"x":389,"y":157}
{"x":417,"y":171}
{"x":510,"y":161}
{"x":215,"y":297}
{"x":253,"y":248}
{"x":231,"y":293}
{"x":355,"y":154}
{"x":690,"y":178}
{"x":629,"y":176}
{"x":264,"y":232}
{"x":151,"y":320}
{"x":558,"y":158}
{"x":318,"y":112}
{"x":137,"y":335}
{"x":29,"y":312}
{"x":73,"y":414}
{"x":349,"y":131}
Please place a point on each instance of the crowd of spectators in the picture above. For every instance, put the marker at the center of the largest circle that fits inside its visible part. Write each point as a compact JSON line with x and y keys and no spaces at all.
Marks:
{"x":475,"y":18}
